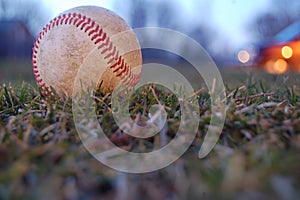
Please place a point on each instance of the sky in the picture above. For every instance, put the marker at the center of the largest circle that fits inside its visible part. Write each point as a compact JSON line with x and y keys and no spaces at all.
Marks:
{"x":229,"y":17}
{"x":232,"y":17}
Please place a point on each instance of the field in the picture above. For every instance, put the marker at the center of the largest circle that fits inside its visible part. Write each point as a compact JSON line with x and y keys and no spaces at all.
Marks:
{"x":256,"y":157}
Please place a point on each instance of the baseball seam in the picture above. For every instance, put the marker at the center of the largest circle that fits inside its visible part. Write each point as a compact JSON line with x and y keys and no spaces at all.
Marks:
{"x":97,"y":35}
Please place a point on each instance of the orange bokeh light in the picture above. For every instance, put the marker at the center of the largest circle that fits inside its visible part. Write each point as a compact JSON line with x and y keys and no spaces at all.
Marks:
{"x":269,"y":66}
{"x":280,"y":66}
{"x":276,"y":67}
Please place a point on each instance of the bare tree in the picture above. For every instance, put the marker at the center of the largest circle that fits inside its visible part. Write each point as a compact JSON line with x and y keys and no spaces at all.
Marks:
{"x":30,"y":12}
{"x":138,"y":15}
{"x":169,"y":14}
{"x":154,"y":13}
{"x":282,"y":14}
{"x":166,"y":15}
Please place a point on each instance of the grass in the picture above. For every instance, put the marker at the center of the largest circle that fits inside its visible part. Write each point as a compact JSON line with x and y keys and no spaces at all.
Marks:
{"x":257,"y":155}
{"x":16,"y":70}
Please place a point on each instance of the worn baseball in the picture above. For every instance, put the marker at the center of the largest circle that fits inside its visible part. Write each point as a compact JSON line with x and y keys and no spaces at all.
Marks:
{"x":89,"y":39}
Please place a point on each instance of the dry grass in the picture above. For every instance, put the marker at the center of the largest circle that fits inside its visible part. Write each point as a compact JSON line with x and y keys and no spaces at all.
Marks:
{"x":257,"y":156}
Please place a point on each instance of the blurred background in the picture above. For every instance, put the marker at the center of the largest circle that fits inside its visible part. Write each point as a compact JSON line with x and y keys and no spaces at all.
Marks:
{"x":236,"y":33}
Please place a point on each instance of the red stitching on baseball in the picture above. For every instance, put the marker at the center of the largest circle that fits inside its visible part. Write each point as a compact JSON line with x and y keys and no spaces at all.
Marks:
{"x":116,"y":62}
{"x":106,"y":39}
{"x":47,"y":28}
{"x":80,"y":22}
{"x":70,"y":19}
{"x":75,"y":21}
{"x":51,"y":24}
{"x":112,"y":53}
{"x":115,"y":57}
{"x":63,"y":18}
{"x":107,"y":49}
{"x":121,"y":65}
{"x":126,"y":80}
{"x":57,"y":21}
{"x":86,"y":23}
{"x":129,"y":76}
{"x":90,"y":27}
{"x":101,"y":39}
{"x":123,"y":71}
{"x":94,"y":31}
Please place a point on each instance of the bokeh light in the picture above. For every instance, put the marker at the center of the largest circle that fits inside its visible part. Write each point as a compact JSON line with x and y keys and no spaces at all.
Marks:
{"x":269,"y":66}
{"x":244,"y":56}
{"x":279,"y":66}
{"x":287,"y":52}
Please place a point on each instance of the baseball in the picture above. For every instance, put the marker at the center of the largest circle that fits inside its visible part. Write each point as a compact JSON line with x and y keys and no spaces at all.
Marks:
{"x":89,"y":39}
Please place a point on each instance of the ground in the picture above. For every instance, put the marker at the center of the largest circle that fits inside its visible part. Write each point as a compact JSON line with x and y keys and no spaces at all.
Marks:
{"x":256,"y":157}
